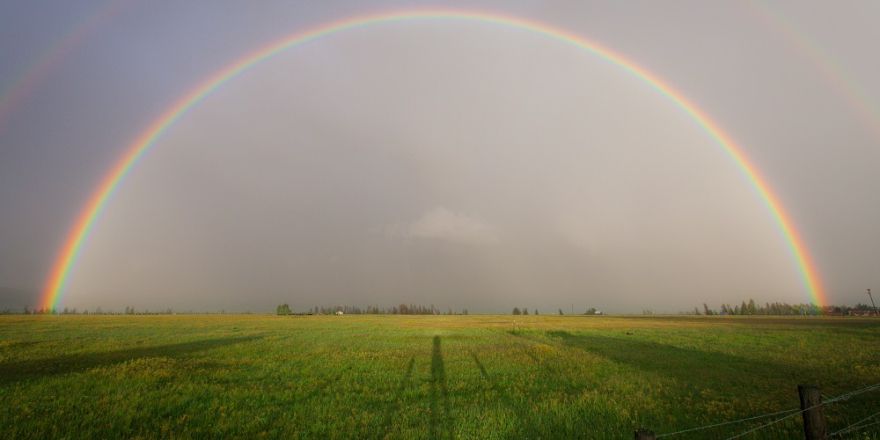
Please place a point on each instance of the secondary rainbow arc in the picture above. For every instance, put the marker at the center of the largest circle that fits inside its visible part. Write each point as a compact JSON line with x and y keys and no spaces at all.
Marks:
{"x":49,"y":60}
{"x":83,"y":225}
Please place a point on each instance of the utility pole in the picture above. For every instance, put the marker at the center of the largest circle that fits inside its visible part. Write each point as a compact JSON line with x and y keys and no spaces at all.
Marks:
{"x":872,"y":301}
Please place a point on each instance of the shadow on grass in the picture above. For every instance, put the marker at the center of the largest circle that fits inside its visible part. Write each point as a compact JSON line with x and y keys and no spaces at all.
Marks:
{"x":441,"y":418}
{"x":542,"y":407}
{"x":503,"y":396}
{"x":408,"y":375}
{"x":557,"y":378}
{"x":702,"y":369}
{"x":11,"y":372}
{"x":394,"y":407}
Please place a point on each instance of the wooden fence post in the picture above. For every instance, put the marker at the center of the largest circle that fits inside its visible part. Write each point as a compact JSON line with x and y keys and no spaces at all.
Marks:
{"x":813,"y":413}
{"x":644,"y":434}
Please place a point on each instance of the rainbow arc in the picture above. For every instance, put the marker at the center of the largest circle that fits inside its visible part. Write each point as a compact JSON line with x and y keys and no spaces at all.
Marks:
{"x":66,"y":260}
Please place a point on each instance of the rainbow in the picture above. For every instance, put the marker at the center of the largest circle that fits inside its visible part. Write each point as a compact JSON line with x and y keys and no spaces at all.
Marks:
{"x":830,"y":70}
{"x":25,"y":85}
{"x":67,"y":257}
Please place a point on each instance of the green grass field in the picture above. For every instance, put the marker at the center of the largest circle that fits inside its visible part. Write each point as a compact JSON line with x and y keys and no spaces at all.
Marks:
{"x":425,"y":376}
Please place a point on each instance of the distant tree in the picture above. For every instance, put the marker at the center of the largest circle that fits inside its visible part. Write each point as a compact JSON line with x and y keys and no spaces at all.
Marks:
{"x":590,"y":311}
{"x":536,"y":311}
{"x":560,"y":312}
{"x":464,"y":311}
{"x":696,"y":311}
{"x":525,"y":311}
{"x":707,"y":310}
{"x":516,"y":311}
{"x":283,"y":309}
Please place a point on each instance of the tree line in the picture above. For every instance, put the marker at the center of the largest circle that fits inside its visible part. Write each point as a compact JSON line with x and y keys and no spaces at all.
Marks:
{"x":786,"y":309}
{"x":401,"y":309}
{"x":749,"y":307}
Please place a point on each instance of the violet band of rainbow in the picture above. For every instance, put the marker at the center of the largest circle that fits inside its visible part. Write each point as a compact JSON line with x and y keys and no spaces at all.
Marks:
{"x":66,"y":259}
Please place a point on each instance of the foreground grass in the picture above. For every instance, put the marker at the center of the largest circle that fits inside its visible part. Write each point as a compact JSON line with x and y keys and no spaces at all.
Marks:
{"x":424,"y":376}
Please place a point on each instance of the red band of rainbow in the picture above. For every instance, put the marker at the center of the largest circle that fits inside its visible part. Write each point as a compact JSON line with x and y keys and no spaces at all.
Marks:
{"x":66,"y":260}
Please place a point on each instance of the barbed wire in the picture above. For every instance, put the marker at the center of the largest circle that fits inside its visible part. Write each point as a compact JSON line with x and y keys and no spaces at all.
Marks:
{"x":788,"y":414}
{"x":700,"y":428}
{"x":846,"y":396}
{"x":853,"y":426}
{"x":773,"y":422}
{"x":861,"y":427}
{"x":839,"y":398}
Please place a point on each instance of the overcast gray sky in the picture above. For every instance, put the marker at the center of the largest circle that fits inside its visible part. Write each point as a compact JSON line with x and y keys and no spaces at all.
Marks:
{"x":450,"y":162}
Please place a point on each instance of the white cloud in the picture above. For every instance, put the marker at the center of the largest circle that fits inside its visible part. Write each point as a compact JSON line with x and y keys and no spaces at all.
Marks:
{"x":440,"y":223}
